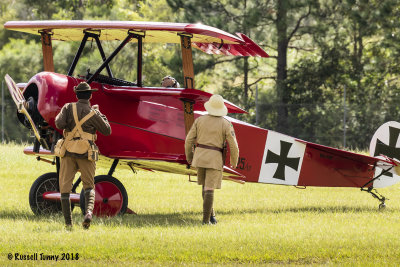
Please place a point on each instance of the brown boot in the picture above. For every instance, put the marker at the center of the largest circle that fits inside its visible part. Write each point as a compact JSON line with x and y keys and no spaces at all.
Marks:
{"x":66,"y":210}
{"x":207,"y":205}
{"x":87,"y":220}
{"x":213,"y":220}
{"x":89,"y":205}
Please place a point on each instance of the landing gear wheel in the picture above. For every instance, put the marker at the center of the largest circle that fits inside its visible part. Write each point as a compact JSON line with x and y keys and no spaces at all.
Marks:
{"x":111,"y":197}
{"x":45,"y":183}
{"x":382,"y":206}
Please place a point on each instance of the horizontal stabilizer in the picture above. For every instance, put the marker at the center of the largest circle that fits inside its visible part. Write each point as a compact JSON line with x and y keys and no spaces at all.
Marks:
{"x":344,"y":154}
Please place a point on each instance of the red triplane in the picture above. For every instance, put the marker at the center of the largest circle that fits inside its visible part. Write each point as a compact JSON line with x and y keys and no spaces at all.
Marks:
{"x":149,"y":123}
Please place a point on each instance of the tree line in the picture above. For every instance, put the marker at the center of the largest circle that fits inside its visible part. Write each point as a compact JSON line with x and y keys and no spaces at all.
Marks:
{"x":332,"y":76}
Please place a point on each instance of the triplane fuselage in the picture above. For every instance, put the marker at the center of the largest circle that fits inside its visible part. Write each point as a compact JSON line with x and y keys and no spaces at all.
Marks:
{"x":149,"y":123}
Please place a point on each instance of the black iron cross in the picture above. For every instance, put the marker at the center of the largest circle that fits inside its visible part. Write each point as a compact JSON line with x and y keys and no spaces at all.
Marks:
{"x":389,"y":150}
{"x":283,"y":160}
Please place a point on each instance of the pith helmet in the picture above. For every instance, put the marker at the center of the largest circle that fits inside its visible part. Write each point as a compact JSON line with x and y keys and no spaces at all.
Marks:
{"x":83,"y":87}
{"x":169,"y":81}
{"x":215,"y":106}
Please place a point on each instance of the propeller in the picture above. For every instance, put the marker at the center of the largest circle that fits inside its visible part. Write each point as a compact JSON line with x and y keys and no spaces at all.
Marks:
{"x":23,"y":106}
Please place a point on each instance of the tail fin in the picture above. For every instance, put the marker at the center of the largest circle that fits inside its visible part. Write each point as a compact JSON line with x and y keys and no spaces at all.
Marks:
{"x":385,"y":142}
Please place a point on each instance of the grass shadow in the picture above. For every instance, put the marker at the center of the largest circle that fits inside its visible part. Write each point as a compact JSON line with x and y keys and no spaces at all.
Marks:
{"x":311,"y":209}
{"x":332,"y":209}
{"x":187,"y":218}
{"x":30,"y":216}
{"x":180,"y":219}
{"x":22,"y":215}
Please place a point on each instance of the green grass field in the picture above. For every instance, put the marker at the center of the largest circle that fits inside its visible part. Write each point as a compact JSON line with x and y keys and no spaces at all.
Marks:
{"x":258,"y":224}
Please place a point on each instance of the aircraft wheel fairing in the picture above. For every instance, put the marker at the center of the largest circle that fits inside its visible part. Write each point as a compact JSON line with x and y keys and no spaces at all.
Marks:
{"x":45,"y":183}
{"x":111,"y":197}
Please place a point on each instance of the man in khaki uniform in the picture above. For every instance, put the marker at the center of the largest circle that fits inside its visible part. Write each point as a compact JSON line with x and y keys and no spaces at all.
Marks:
{"x":76,"y":159}
{"x":208,"y":134}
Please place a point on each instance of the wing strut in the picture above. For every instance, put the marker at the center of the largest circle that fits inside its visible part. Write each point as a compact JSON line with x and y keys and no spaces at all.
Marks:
{"x":105,"y":63}
{"x":188,"y":76}
{"x":188,"y":113}
{"x":95,"y":36}
{"x":140,"y":59}
{"x":47,"y":49}
{"x":131,"y":34}
{"x":187,"y":60}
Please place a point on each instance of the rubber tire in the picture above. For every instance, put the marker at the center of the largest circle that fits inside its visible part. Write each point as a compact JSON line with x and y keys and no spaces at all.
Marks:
{"x":47,"y":207}
{"x":117,"y":183}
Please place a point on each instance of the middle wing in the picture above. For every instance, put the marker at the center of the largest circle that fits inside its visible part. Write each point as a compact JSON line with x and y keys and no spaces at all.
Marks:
{"x":171,"y":97}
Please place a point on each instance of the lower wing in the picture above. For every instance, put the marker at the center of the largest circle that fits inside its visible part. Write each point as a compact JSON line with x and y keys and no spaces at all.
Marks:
{"x":143,"y":161}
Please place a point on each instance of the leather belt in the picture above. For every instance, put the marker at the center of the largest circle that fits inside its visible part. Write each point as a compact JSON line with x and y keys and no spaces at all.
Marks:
{"x":210,"y":147}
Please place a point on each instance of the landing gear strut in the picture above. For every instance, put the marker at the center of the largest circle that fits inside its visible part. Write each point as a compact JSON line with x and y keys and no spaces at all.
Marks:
{"x":374,"y":192}
{"x":376,"y":195}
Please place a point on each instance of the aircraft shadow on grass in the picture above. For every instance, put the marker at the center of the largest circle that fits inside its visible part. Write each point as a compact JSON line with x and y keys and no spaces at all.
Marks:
{"x":186,"y":218}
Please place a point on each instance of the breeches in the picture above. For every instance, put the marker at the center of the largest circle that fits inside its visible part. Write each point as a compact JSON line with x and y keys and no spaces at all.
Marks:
{"x":209,"y":177}
{"x":70,"y":166}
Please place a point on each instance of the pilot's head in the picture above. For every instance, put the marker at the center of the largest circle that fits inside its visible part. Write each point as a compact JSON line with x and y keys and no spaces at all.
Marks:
{"x":83,"y":91}
{"x":169,"y":81}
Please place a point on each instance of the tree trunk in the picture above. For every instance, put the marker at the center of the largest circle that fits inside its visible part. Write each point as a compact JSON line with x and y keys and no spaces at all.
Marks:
{"x":246,"y":83}
{"x":281,"y":87}
{"x":245,"y":65}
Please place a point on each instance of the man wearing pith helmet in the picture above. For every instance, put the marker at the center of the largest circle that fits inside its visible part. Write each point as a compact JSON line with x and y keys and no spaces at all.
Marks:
{"x":79,"y":122}
{"x":208,"y":134}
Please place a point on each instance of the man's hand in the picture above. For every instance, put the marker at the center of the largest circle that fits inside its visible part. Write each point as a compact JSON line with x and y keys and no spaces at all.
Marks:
{"x":96,"y":107}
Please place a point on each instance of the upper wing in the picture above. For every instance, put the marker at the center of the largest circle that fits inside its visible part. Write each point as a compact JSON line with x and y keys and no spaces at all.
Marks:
{"x":208,"y":39}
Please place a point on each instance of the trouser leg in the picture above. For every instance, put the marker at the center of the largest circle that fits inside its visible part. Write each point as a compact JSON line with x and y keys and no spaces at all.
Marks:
{"x":207,"y":205}
{"x":88,"y":169}
{"x":66,"y":208}
{"x":68,"y":170}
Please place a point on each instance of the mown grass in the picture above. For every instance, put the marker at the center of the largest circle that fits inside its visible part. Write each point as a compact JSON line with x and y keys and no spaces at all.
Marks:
{"x":258,"y":224}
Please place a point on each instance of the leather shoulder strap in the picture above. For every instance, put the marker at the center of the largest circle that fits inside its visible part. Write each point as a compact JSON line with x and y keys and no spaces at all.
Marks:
{"x":78,"y":123}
